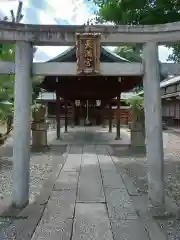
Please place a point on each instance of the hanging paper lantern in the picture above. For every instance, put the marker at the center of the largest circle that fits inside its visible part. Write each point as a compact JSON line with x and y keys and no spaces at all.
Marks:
{"x":77,"y":103}
{"x":98,"y":103}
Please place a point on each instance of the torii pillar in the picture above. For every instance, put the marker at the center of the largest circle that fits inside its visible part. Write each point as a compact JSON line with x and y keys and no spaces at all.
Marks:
{"x":153,"y":125}
{"x":22,"y":124}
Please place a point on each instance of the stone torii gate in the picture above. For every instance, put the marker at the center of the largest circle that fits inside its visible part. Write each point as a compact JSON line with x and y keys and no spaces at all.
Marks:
{"x":25,"y":36}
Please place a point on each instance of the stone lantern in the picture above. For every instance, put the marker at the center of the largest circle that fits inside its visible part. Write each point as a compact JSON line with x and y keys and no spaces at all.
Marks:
{"x":138,"y":122}
{"x":39,"y":126}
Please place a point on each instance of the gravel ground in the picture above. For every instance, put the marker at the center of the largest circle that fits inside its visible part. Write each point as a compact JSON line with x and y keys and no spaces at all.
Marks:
{"x":40,"y":167}
{"x":40,"y":170}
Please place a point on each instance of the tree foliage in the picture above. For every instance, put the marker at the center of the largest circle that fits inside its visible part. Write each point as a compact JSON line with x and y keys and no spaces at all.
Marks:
{"x":139,"y":12}
{"x":7,"y":53}
{"x":133,"y":54}
{"x":136,"y":103}
{"x":147,"y":12}
{"x":130,"y":53}
{"x":175,"y":56}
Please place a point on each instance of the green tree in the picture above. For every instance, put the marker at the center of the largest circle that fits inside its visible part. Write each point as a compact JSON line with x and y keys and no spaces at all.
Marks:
{"x":148,"y":12}
{"x":131,"y":53}
{"x":175,"y":56}
{"x":7,"y":53}
{"x":136,"y":102}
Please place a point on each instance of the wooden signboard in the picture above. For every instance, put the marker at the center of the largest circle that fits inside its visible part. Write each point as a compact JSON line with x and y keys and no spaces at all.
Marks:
{"x":88,"y":53}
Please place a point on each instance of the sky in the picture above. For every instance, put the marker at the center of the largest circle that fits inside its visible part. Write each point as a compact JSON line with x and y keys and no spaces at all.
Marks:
{"x":57,"y":12}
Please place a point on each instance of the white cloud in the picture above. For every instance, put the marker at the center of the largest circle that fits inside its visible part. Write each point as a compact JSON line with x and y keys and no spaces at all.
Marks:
{"x":49,"y":51}
{"x":64,"y":9}
{"x":74,"y":11}
{"x":45,"y":18}
{"x":164,"y":53}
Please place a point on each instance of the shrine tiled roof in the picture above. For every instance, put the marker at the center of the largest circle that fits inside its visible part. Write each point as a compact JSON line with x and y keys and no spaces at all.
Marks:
{"x":69,"y":55}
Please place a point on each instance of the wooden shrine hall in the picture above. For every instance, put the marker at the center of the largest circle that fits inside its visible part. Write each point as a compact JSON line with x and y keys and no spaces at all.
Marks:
{"x":88,"y":88}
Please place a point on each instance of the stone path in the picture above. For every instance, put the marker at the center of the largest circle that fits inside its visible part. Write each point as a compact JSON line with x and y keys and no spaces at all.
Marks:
{"x":89,"y":201}
{"x":92,"y":135}
{"x":86,"y":195}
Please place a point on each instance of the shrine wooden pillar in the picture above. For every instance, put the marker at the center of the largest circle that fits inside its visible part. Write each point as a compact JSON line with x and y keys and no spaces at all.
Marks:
{"x":103,"y":104}
{"x":66,"y":115}
{"x":73,"y":113}
{"x":118,"y":118}
{"x":58,"y":107}
{"x":110,"y":117}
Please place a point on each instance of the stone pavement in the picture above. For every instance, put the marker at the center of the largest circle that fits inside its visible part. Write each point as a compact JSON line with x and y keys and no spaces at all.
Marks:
{"x":92,"y":135}
{"x":89,"y":201}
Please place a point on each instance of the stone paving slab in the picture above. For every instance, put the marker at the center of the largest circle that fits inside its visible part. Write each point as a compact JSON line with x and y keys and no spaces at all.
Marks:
{"x":61,"y":231}
{"x":91,"y":222}
{"x":132,"y":190}
{"x":112,"y":180}
{"x":105,"y":160}
{"x":90,"y":188}
{"x":66,"y":180}
{"x":89,"y":149}
{"x":50,"y":218}
{"x":89,"y":169}
{"x":73,"y":163}
{"x":76,"y":149}
{"x":106,"y":164}
{"x":89,"y":160}
{"x":119,"y":205}
{"x":56,"y":222}
{"x":129,"y":230}
{"x":62,"y":203}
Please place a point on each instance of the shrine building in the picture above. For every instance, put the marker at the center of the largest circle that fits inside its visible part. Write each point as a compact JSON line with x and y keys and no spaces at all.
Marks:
{"x":88,"y":97}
